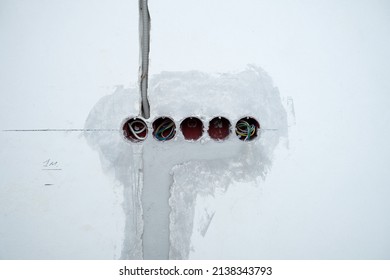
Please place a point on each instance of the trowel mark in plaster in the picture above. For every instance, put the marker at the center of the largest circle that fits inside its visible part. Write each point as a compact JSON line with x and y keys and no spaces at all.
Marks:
{"x":251,"y":163}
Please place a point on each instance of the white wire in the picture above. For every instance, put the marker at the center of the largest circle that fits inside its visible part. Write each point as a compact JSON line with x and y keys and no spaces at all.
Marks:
{"x":141,"y":123}
{"x":135,"y":134}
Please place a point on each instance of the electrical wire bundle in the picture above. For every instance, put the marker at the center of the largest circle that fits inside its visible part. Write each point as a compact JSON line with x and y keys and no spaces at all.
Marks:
{"x":137,"y":128}
{"x":245,"y":130}
{"x":165,"y":131}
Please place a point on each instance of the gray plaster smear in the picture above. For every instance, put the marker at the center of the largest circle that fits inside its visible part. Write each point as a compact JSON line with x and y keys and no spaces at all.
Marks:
{"x":162,"y":180}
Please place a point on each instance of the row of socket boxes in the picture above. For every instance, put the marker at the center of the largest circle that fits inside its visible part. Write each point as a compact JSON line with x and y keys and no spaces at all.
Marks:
{"x":135,"y":129}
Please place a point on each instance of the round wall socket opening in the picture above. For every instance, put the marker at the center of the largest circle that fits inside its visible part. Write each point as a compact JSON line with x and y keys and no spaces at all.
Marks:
{"x":247,"y":129}
{"x":219,"y":128}
{"x":135,"y":130}
{"x":164,"y":128}
{"x":192,"y":128}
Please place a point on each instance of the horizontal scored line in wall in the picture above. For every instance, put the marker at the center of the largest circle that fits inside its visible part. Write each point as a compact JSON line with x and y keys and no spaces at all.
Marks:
{"x":62,"y":130}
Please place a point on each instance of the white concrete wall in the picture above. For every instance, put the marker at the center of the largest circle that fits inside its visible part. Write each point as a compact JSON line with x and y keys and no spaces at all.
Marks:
{"x":327,"y":197}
